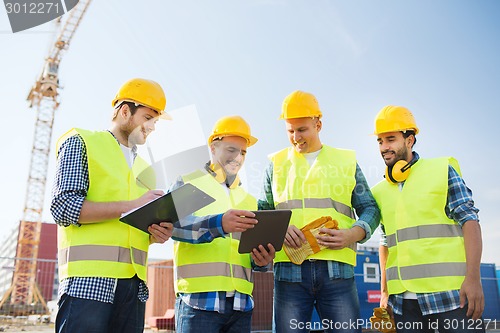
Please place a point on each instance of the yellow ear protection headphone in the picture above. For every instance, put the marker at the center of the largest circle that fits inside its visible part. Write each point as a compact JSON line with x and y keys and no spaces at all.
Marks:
{"x":399,"y":172}
{"x":220,"y":175}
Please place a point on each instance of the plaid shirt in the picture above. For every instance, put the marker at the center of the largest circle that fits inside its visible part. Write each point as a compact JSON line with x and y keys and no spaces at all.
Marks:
{"x":363,"y":203}
{"x":69,"y":191}
{"x":460,"y":208}
{"x":213,"y":300}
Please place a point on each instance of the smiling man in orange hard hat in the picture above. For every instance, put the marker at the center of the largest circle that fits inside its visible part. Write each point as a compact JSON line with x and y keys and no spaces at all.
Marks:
{"x":214,"y":282}
{"x":315,"y":180}
{"x":430,"y":252}
{"x":103,"y":262}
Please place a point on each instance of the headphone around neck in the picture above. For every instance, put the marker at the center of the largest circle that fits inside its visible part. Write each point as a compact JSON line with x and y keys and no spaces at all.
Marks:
{"x":221,"y":177}
{"x":399,"y":172}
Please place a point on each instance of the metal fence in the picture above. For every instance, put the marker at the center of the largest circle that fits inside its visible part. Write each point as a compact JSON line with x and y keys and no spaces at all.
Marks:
{"x":44,"y":285}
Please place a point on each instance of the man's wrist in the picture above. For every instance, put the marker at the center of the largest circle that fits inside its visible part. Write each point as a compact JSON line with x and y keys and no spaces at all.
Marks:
{"x":357,"y":233}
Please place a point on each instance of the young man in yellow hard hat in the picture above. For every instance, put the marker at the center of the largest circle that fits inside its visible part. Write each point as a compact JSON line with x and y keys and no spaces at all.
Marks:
{"x":103,"y":262}
{"x":316,"y":180}
{"x":213,"y":282}
{"x":430,"y":252}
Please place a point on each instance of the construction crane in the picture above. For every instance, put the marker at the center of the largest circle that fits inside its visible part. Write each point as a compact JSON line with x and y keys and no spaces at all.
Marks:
{"x":24,"y":291}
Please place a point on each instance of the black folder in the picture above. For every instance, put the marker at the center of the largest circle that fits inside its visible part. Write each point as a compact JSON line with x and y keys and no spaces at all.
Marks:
{"x":170,"y":207}
{"x":271,"y":228}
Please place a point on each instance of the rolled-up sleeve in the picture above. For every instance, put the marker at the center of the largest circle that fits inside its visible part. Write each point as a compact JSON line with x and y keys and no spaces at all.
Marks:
{"x":365,"y":206}
{"x":196,"y":229}
{"x":460,"y":206}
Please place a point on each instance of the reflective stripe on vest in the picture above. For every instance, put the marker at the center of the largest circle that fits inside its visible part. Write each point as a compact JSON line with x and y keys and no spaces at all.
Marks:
{"x":102,"y":252}
{"x":322,"y":189}
{"x":214,"y":269}
{"x":426,"y":251}
{"x":109,"y":248}
{"x":425,"y":231}
{"x":318,"y":203}
{"x":195,"y":268}
{"x":444,"y":269}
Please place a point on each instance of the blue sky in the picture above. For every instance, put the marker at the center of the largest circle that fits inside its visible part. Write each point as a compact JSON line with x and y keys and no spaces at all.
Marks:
{"x":438,"y":58}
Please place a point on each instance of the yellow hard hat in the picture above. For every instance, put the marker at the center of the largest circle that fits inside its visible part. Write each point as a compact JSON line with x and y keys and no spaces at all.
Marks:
{"x":300,"y":104}
{"x":144,"y":92}
{"x":232,"y":126}
{"x":394,"y":118}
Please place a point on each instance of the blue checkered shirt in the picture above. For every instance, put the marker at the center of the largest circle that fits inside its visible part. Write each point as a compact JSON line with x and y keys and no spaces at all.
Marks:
{"x":460,"y":208}
{"x":213,"y":300}
{"x":363,"y":203}
{"x":69,"y":191}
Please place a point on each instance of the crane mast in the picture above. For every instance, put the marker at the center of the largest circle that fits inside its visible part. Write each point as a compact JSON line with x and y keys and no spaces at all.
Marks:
{"x":44,"y":97}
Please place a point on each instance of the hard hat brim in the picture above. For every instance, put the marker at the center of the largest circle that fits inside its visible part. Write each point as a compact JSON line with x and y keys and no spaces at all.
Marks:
{"x":251,"y":140}
{"x":416,"y":130}
{"x":166,"y":116}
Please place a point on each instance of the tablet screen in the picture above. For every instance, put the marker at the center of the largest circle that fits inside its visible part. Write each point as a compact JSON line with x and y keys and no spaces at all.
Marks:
{"x":271,"y":228}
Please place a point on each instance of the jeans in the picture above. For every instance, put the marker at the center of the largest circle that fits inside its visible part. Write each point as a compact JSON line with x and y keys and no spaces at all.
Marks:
{"x":124,"y":315}
{"x":454,"y":321}
{"x":336,"y":301}
{"x":191,"y":320}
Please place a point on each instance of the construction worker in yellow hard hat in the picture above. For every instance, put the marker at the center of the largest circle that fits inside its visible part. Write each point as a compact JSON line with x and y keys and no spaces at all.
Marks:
{"x":214,"y":282}
{"x":316,"y":180}
{"x":426,"y":209}
{"x":103,"y":262}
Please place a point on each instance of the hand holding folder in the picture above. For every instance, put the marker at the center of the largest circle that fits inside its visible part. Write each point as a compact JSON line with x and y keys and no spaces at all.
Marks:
{"x":170,"y":207}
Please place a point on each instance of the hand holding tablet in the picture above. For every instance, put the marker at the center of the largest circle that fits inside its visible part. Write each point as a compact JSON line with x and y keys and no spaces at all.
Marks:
{"x":271,"y":228}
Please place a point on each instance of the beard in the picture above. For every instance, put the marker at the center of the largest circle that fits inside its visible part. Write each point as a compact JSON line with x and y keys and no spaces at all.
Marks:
{"x":399,"y":155}
{"x":136,"y":134}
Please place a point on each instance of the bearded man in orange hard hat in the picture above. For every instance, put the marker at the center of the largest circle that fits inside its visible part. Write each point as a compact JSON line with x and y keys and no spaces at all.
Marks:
{"x":315,"y":180}
{"x":430,"y":252}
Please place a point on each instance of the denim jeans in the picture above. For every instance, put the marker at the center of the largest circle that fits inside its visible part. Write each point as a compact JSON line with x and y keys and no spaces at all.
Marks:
{"x":124,"y":315}
{"x":454,"y":321}
{"x":191,"y":320}
{"x":336,"y":301}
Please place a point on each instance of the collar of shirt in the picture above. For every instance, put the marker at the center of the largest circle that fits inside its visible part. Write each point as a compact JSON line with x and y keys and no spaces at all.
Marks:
{"x":415,"y":158}
{"x":134,"y":147}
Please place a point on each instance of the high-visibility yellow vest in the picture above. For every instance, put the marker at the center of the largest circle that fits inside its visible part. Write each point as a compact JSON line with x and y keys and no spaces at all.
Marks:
{"x":215,"y":266}
{"x":109,"y":248}
{"x":322,"y":189}
{"x":426,"y":248}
